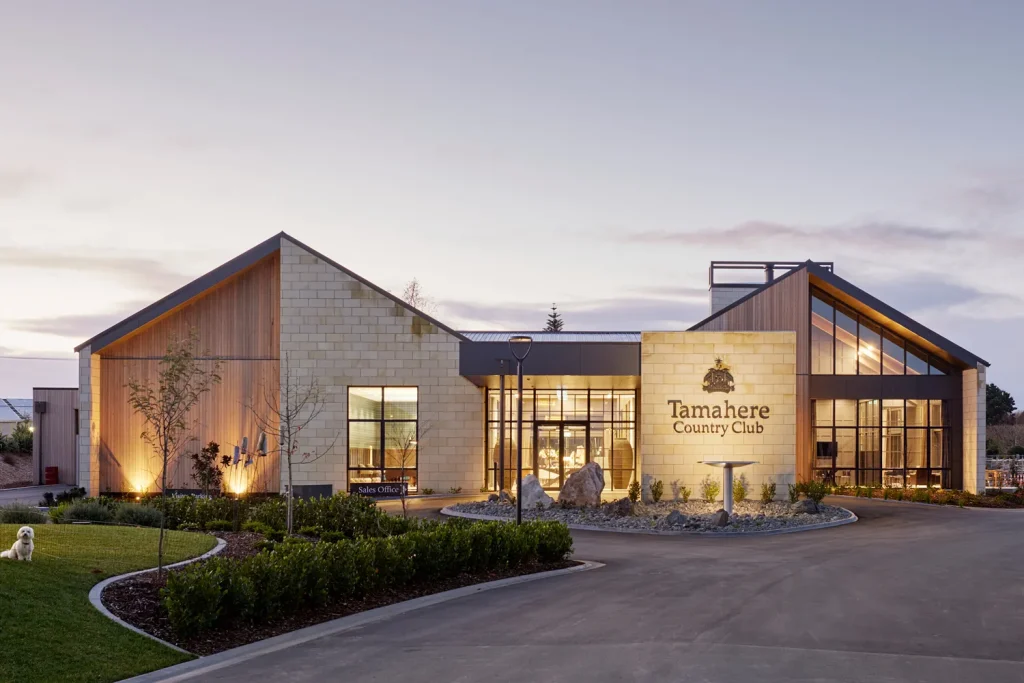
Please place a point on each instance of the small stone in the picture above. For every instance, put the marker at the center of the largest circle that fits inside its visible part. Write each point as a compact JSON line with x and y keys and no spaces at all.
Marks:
{"x":623,"y":507}
{"x":720,"y":518}
{"x":676,"y":518}
{"x":804,"y":507}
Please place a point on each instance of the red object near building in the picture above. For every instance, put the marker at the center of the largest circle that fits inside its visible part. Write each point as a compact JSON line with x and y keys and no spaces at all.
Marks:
{"x":50,"y":476}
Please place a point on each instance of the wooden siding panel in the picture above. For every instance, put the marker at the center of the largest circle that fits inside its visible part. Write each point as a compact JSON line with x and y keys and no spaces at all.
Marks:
{"x":236,"y":319}
{"x":128,"y":463}
{"x":55,"y":439}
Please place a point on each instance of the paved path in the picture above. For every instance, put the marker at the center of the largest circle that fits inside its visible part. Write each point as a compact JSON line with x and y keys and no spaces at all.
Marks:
{"x":910,"y":593}
{"x":30,"y":495}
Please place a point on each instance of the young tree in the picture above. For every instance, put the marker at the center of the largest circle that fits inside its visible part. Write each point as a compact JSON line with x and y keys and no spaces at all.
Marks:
{"x":182,"y":379}
{"x":999,"y":405}
{"x":300,"y":403}
{"x":555,"y":322}
{"x":403,"y":444}
{"x":415,"y":297}
{"x":206,"y":472}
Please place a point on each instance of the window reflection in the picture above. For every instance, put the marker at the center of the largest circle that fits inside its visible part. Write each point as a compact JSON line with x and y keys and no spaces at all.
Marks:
{"x":822,"y":335}
{"x":846,"y":341}
{"x":870,"y":348}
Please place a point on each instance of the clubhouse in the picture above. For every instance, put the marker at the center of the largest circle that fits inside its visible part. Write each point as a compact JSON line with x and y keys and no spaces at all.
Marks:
{"x":795,"y":369}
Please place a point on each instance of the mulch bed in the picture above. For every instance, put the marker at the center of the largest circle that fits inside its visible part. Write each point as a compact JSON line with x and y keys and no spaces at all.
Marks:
{"x":15,"y":470}
{"x":137,"y":601}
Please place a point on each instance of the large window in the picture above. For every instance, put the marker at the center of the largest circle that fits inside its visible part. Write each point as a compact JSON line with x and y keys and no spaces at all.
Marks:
{"x":563,"y":429}
{"x":383,"y":434}
{"x":873,"y":442}
{"x":844,"y":342}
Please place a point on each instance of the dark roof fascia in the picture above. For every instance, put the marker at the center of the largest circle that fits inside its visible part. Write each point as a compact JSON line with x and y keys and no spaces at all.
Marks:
{"x":854,"y":292}
{"x":746,"y":297}
{"x":375,"y":288}
{"x":182,"y":295}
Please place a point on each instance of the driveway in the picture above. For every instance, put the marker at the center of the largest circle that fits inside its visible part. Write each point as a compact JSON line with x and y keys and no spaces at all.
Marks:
{"x":29,"y":495}
{"x":910,"y":593}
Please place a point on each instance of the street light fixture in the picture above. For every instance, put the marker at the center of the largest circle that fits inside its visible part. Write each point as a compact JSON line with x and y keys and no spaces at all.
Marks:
{"x":520,"y":339}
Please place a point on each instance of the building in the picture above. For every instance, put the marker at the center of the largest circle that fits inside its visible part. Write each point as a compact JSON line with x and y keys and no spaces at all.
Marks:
{"x":801,"y":372}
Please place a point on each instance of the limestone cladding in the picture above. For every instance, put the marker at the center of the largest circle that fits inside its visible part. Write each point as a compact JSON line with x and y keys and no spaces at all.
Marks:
{"x":974,"y":429}
{"x":763,"y":368}
{"x":347,"y":334}
{"x":89,"y":421}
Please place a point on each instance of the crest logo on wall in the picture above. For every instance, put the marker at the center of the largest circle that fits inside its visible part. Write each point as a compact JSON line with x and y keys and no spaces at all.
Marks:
{"x":719,"y":379}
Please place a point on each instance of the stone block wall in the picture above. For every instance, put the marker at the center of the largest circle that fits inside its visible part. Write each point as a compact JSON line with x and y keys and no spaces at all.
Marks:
{"x":763,"y":367}
{"x":348,"y":334}
{"x":89,"y":421}
{"x":974,"y":429}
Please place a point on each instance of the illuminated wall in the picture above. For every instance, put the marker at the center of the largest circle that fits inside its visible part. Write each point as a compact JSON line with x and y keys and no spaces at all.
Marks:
{"x":692,"y":409}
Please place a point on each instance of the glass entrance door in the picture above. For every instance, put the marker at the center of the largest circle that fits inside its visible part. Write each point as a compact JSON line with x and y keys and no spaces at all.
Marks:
{"x":561,"y":449}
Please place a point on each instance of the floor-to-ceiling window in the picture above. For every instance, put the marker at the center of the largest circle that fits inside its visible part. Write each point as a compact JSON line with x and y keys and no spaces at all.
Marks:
{"x":563,"y":429}
{"x":383,"y":431}
{"x":876,"y":442}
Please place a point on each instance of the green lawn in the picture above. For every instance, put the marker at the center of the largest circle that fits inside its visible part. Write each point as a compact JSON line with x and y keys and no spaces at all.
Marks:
{"x":48,"y":629}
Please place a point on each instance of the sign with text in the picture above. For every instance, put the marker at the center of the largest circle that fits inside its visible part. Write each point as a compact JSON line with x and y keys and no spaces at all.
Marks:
{"x":380,"y":490}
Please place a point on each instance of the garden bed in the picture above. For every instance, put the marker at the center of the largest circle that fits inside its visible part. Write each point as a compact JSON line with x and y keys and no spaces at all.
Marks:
{"x":137,"y":601}
{"x":1004,"y":500}
{"x":748,"y":516}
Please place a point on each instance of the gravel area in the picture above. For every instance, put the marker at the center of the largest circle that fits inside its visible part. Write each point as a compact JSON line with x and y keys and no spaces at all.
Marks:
{"x":15,"y":470}
{"x":748,"y":516}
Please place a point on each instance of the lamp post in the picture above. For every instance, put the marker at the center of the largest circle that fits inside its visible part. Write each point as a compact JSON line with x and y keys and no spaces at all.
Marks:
{"x":512,"y":341}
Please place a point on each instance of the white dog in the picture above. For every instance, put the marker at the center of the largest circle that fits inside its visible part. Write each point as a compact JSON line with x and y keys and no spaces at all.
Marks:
{"x":23,"y":547}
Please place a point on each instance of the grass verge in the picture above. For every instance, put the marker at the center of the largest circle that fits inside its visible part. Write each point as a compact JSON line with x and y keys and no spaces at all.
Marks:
{"x":48,"y":629}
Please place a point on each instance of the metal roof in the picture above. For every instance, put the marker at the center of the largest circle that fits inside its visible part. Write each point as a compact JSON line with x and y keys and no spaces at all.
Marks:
{"x":15,"y":409}
{"x":544,"y":337}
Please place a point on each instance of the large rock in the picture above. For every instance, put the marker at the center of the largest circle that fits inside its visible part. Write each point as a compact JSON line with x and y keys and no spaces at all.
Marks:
{"x":505,"y":497}
{"x":676,"y":518}
{"x":493,"y":498}
{"x":804,"y":507}
{"x":720,"y":518}
{"x":533,"y":494}
{"x":623,"y":507}
{"x":583,"y":487}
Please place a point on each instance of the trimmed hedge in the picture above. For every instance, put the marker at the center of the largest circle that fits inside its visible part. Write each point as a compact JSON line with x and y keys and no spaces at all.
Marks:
{"x":300,"y":574}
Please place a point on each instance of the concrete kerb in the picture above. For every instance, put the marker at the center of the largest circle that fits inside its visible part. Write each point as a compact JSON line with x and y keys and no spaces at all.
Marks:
{"x":448,"y":511}
{"x":96,"y":594}
{"x":210,"y":663}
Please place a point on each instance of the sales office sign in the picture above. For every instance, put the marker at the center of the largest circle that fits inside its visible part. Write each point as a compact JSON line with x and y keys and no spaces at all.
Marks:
{"x":718,"y":419}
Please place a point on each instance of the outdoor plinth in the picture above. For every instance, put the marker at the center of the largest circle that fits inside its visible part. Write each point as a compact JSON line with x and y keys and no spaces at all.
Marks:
{"x":727,"y":467}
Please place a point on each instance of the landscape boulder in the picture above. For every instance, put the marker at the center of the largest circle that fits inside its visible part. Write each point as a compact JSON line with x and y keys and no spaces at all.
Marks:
{"x":645,"y":488}
{"x":493,"y":498}
{"x":533,"y":494}
{"x":720,"y":518}
{"x":804,"y":507}
{"x":623,"y":507}
{"x":676,"y":518}
{"x":505,"y":497}
{"x":583,"y":487}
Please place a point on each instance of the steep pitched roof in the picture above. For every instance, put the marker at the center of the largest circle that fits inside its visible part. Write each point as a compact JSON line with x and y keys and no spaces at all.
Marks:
{"x":857,"y":294}
{"x":219,"y":274}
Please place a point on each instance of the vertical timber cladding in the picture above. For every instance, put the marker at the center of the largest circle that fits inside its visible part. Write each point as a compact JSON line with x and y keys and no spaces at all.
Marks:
{"x":719,"y":396}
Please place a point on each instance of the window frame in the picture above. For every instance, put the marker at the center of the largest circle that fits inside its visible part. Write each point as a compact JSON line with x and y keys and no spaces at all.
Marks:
{"x":382,"y":421}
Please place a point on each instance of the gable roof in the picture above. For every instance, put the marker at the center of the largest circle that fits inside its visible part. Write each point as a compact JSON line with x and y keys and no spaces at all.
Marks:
{"x":222,"y":272}
{"x":858,"y":294}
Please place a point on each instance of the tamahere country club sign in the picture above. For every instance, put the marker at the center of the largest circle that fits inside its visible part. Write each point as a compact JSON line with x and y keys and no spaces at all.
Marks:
{"x":719,"y":419}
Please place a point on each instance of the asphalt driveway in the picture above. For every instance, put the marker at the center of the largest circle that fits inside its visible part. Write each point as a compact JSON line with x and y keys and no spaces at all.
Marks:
{"x":910,"y":593}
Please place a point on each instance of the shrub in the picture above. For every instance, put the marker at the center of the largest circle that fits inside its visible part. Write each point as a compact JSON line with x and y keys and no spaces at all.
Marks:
{"x":922,"y":496}
{"x":310,"y":531}
{"x":767,"y":491}
{"x":454,"y":489}
{"x":256,"y":527}
{"x":196,"y":510}
{"x":1017,"y":450}
{"x":739,"y":489}
{"x":657,"y":489}
{"x":84,"y":510}
{"x":276,"y":535}
{"x":294,"y":575}
{"x":219,"y":525}
{"x":332,"y":536}
{"x":206,"y":472}
{"x":634,"y":491}
{"x":17,"y":513}
{"x":709,"y":489}
{"x":427,"y":491}
{"x":815,"y":490}
{"x":138,"y":515}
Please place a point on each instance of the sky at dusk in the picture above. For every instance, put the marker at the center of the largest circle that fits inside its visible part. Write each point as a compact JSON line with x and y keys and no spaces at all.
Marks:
{"x":511,"y":155}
